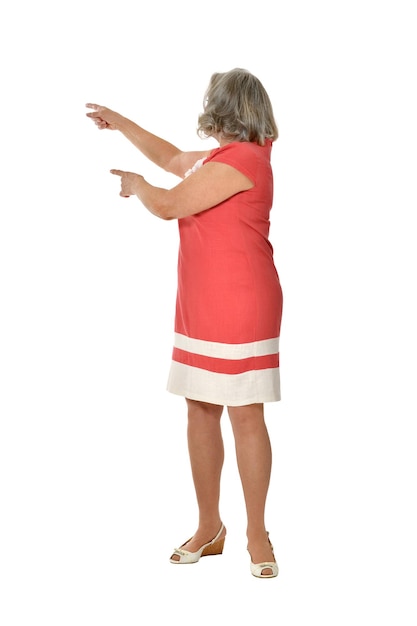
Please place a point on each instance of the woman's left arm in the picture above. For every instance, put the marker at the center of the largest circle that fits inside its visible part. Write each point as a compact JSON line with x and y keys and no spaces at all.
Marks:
{"x":211,"y":184}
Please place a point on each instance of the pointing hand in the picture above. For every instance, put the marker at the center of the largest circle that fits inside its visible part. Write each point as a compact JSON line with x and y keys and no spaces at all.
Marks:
{"x":128,"y":182}
{"x":103,"y":117}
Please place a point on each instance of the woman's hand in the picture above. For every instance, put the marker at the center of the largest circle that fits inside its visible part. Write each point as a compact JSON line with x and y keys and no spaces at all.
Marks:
{"x":128,"y":182}
{"x":103,"y":117}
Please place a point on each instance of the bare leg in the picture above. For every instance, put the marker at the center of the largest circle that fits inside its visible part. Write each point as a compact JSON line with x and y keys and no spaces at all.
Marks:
{"x":254,"y":458}
{"x":205,"y":445}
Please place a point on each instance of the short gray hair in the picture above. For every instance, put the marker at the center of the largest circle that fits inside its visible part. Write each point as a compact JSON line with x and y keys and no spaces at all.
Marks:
{"x":237,"y":106}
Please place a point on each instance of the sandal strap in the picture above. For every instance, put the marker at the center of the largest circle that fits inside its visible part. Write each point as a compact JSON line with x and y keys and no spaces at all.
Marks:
{"x":218,"y":534}
{"x":182,"y":552}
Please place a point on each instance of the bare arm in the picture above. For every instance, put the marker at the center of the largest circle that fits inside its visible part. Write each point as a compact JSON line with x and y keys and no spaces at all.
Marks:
{"x":210,"y":185}
{"x":161,"y":152}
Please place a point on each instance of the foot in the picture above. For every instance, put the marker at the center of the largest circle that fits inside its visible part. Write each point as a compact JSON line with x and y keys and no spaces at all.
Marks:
{"x":202,"y":536}
{"x":261,"y":551}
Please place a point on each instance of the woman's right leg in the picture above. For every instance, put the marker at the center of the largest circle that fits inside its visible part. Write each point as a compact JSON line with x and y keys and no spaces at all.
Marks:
{"x":205,"y":446}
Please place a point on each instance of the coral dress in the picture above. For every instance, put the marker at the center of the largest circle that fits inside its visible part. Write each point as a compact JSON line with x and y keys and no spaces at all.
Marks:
{"x":229,"y":298}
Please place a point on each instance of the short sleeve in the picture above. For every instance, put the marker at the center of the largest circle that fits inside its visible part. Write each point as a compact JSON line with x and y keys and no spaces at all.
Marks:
{"x":243,"y":156}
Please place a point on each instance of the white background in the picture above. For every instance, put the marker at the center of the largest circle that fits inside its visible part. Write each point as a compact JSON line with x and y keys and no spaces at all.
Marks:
{"x":95,"y":482}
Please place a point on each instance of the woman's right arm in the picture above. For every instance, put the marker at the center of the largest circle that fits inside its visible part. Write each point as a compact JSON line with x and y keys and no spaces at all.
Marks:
{"x":161,"y":152}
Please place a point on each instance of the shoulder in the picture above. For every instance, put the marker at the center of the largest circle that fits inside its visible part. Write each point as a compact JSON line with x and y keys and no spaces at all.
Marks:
{"x":243,"y":155}
{"x":241,"y":149}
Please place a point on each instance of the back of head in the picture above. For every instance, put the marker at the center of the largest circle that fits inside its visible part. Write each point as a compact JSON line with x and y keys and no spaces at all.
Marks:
{"x":237,"y":107}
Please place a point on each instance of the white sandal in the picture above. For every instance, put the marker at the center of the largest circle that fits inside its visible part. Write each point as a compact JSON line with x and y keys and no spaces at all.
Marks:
{"x":257,"y":568}
{"x":215,"y":546}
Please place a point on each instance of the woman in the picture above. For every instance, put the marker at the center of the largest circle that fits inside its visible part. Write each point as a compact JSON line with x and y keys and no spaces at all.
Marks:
{"x":229,"y":299}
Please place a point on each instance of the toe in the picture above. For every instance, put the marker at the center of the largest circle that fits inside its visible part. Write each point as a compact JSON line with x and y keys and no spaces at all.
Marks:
{"x":267,"y":571}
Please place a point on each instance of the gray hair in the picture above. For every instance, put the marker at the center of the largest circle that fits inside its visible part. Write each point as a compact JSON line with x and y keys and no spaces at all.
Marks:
{"x":237,"y":106}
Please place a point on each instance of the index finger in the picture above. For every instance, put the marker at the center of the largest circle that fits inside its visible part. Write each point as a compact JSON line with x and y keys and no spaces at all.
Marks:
{"x":90,"y":105}
{"x":117,"y":172}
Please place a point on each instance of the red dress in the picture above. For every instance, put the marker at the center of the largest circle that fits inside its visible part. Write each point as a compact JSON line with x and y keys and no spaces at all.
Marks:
{"x":229,"y":298}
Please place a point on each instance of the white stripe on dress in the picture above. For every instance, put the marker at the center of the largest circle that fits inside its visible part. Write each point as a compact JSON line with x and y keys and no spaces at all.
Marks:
{"x":251,"y":387}
{"x":231,"y":351}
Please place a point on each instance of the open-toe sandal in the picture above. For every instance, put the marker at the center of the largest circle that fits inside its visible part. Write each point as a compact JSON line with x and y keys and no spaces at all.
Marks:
{"x":215,"y":546}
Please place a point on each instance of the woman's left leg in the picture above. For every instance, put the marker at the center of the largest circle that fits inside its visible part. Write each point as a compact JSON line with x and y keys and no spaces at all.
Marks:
{"x":205,"y":445}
